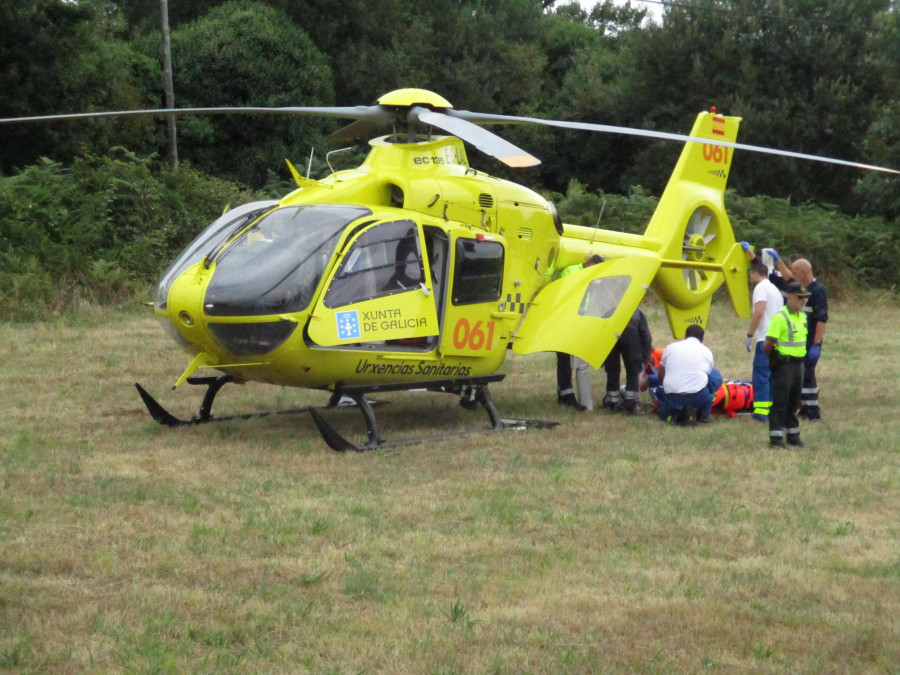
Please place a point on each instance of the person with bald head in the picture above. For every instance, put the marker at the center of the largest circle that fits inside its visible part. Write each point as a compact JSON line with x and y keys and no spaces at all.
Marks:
{"x":817,"y":316}
{"x":816,"y":310}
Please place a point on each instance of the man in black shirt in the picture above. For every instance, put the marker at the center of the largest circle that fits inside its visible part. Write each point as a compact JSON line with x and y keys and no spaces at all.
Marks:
{"x":816,"y":316}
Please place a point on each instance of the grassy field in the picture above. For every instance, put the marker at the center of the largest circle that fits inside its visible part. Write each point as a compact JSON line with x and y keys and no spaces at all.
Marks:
{"x":609,"y":544}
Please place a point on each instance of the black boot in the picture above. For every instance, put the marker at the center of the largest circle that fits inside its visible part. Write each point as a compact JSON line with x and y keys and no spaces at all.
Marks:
{"x":612,"y":401}
{"x":567,"y":400}
{"x":688,"y":416}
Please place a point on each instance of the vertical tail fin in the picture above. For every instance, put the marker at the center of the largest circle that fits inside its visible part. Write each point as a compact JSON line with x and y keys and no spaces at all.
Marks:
{"x":698,"y":249}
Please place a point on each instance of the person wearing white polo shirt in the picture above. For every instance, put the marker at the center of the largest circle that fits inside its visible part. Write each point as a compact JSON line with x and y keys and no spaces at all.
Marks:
{"x":688,"y":378}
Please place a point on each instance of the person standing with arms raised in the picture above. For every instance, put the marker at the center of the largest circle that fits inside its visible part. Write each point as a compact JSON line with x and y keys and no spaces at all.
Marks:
{"x":767,"y":300}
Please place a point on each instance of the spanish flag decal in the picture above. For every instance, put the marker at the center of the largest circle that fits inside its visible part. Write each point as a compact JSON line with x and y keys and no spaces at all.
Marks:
{"x":718,"y":126}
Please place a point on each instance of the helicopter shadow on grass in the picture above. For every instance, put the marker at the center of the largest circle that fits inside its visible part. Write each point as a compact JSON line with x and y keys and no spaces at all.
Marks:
{"x":402,"y":418}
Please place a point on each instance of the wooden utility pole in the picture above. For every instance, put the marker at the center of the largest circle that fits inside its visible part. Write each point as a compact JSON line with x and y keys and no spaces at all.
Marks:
{"x":170,"y":89}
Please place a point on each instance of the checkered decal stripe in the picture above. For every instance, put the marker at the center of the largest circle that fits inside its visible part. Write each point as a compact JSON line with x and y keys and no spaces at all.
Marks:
{"x":514,"y":303}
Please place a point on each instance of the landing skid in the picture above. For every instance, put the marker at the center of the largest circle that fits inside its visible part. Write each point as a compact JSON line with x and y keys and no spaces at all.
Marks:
{"x":164,"y":417}
{"x":476,"y":390}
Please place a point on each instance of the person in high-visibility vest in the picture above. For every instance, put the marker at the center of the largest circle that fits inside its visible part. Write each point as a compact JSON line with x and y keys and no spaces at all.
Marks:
{"x":785,"y":346}
{"x":565,"y":392}
{"x":816,"y":311}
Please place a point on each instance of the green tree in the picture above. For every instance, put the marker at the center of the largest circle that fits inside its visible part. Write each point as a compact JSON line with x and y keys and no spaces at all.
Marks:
{"x":64,"y":57}
{"x":143,"y":16}
{"x":245,"y":53}
{"x":880,"y":193}
{"x":480,"y":55}
{"x":584,"y":53}
{"x":798,"y":73}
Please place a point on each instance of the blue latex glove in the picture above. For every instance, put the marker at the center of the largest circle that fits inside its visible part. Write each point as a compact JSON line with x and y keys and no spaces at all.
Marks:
{"x":745,"y":245}
{"x":775,"y":255}
{"x":812,"y":354}
{"x":749,"y":342}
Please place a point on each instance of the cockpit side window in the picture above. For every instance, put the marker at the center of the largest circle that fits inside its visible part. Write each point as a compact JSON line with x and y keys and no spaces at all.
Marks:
{"x":479,"y":271}
{"x":385,"y":259}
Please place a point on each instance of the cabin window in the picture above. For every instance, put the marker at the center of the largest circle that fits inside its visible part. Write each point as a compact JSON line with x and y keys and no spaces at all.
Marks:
{"x":478,"y":276}
{"x":385,"y":259}
{"x":603,"y":296}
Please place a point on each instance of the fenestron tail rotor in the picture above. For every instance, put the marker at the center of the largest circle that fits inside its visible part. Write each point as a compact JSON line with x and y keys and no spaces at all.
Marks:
{"x":697,"y":236}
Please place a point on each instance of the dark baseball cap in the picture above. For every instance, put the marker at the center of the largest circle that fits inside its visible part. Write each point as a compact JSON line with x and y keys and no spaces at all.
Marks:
{"x":796,"y":288}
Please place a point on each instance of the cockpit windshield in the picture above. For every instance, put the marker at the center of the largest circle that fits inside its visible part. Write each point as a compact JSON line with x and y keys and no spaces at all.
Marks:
{"x":212,"y":238}
{"x":274,"y":266}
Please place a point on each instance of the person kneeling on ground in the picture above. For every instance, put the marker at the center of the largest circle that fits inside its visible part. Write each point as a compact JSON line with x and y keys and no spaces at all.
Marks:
{"x":688,"y":379}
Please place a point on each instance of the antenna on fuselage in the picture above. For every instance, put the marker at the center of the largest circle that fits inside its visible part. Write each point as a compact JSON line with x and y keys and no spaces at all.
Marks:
{"x":597,"y":226}
{"x":602,"y":206}
{"x":333,"y":152}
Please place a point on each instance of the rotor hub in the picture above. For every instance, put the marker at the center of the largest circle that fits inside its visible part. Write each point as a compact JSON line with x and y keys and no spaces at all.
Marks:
{"x":696,"y":247}
{"x":406,"y":98}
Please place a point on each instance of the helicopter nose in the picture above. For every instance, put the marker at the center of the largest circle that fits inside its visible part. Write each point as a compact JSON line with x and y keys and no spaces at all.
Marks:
{"x":182,"y":316}
{"x":185,"y":320}
{"x":169,"y":327}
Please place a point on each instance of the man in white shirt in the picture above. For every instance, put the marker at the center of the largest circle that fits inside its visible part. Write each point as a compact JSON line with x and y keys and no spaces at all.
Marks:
{"x":767,"y":300}
{"x":688,"y":378}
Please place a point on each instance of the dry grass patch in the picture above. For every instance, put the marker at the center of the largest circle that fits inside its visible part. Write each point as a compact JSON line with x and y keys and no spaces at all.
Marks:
{"x":607,"y":544}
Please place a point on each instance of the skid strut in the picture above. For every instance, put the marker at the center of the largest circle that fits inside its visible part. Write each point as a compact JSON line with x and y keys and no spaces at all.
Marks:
{"x":213,"y":384}
{"x":334,"y":439}
{"x":477,"y":389}
{"x":473,"y":389}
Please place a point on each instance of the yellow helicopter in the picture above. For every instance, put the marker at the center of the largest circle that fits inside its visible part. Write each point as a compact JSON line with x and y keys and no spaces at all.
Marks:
{"x":415,"y":271}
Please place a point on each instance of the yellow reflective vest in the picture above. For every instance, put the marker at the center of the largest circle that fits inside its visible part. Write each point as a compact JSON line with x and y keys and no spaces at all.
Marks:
{"x":571,"y":268}
{"x":789,"y":332}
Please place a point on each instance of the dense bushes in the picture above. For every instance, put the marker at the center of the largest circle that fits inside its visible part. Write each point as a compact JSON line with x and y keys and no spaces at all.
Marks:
{"x":99,"y":231}
{"x":628,"y":213}
{"x":846,"y":251}
{"x":103,"y":230}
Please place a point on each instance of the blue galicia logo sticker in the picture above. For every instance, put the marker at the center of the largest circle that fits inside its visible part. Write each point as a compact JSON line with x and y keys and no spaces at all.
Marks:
{"x":348,"y":325}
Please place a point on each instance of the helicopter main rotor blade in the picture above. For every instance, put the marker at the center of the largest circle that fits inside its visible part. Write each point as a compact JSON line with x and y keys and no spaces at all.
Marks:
{"x":486,"y":141}
{"x":462,"y":123}
{"x":484,"y":118}
{"x":354,"y":131}
{"x":352,"y":112}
